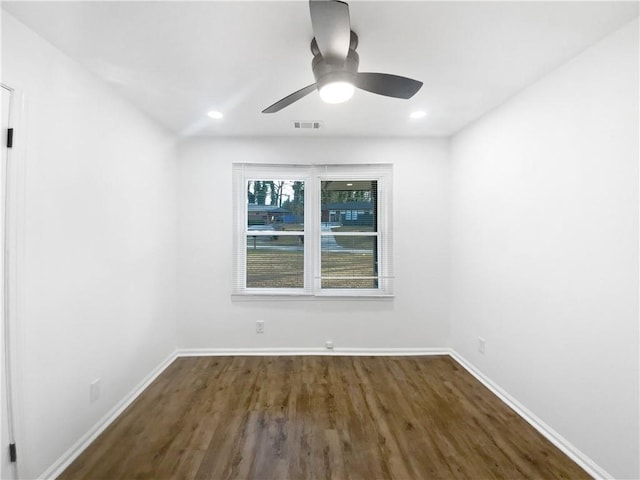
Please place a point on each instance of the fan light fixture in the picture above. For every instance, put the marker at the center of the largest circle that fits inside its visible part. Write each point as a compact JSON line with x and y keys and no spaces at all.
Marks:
{"x":335,"y":61}
{"x":336,"y":92}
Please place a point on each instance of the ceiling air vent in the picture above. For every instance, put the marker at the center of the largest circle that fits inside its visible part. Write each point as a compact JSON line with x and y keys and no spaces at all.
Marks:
{"x":307,"y":125}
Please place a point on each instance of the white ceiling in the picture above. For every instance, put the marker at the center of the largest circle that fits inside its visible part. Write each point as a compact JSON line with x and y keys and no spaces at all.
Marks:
{"x":177,"y":60}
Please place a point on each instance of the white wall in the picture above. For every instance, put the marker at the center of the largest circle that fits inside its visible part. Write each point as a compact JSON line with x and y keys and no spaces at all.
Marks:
{"x":99,"y":246}
{"x":416,"y":318}
{"x":545,"y":249}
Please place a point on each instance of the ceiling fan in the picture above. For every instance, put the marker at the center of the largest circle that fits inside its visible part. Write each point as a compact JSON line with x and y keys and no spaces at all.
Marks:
{"x":335,"y":61}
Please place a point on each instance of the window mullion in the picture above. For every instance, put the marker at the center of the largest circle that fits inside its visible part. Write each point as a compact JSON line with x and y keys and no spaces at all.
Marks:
{"x":312,"y":229}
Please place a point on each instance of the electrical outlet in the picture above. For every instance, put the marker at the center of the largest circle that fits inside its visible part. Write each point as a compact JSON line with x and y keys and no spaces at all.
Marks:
{"x":259,"y":326}
{"x":329,"y":344}
{"x":481,"y":344}
{"x":94,"y":390}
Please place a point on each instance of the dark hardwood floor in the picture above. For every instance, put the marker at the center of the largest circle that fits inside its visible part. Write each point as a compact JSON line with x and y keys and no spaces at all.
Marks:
{"x":316,"y":417}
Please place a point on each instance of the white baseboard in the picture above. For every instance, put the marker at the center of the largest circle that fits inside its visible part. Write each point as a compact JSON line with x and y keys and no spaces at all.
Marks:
{"x":549,"y":433}
{"x":195,"y":352}
{"x":588,"y":465}
{"x":77,"y":448}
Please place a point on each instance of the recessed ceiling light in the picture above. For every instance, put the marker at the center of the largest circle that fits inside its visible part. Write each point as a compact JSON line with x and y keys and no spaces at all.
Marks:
{"x":418,"y":114}
{"x":349,"y":184}
{"x":215,"y":115}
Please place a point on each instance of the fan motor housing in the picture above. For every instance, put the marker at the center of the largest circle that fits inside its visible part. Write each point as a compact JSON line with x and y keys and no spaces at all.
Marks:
{"x":329,"y":70}
{"x":326,"y":72}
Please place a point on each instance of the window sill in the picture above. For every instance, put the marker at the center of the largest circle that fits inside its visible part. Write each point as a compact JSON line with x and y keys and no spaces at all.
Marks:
{"x":306,"y":297}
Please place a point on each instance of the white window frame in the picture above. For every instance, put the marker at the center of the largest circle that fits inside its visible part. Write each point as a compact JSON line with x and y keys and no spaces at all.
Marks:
{"x":313,"y":175}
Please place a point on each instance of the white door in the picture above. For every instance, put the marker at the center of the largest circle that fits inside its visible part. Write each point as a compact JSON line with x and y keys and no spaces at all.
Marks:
{"x":7,"y":468}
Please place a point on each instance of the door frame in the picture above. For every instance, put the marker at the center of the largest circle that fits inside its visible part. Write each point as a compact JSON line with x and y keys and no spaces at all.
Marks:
{"x":12,"y":249}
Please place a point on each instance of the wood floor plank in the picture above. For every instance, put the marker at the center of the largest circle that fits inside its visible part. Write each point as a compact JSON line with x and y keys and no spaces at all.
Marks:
{"x":319,"y":417}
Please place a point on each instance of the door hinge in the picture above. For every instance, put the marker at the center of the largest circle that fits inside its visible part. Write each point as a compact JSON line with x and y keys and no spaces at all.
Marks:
{"x":13,"y":456}
{"x":9,"y":137}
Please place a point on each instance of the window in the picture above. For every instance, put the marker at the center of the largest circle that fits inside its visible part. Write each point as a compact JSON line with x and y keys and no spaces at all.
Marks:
{"x":312,"y":230}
